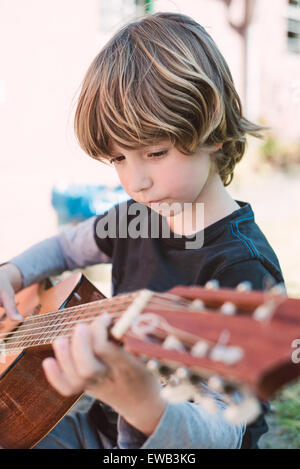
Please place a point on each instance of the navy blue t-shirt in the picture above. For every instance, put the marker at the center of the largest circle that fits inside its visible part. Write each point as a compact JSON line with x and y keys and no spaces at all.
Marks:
{"x":234,"y":249}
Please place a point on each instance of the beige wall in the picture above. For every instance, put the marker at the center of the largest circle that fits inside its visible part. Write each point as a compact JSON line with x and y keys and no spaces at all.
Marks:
{"x":45,"y":49}
{"x":279,"y":70}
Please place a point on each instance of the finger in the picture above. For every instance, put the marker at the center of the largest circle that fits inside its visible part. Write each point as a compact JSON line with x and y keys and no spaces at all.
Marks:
{"x":10,"y":306}
{"x":65,"y":361}
{"x":109,"y":352}
{"x":88,"y":366}
{"x":57,"y":378}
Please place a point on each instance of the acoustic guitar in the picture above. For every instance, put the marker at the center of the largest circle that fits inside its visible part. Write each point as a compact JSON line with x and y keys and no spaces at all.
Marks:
{"x":242,"y":345}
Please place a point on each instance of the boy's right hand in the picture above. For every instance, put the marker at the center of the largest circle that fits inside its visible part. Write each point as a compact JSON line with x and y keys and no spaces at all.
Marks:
{"x":10,"y":282}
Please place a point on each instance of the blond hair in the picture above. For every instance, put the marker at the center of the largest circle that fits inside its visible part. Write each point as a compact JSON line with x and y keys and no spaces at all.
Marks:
{"x":162,"y":77}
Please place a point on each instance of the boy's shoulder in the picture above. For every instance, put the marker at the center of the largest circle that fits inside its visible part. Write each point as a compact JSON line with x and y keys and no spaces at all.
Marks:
{"x":241,"y":250}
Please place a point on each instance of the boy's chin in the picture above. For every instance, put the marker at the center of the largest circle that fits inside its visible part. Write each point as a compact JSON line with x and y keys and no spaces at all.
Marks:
{"x":167,"y":209}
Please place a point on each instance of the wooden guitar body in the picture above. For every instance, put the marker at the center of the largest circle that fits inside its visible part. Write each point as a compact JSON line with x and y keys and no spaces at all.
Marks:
{"x":29,"y":406}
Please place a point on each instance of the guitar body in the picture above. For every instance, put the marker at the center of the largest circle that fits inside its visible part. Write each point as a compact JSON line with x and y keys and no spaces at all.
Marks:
{"x":29,"y":406}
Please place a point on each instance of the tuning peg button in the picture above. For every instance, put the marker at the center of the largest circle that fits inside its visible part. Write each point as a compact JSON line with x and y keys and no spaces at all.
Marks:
{"x":178,"y":393}
{"x":200,"y":349}
{"x":216,"y":383}
{"x":265,"y":311}
{"x":183,"y":373}
{"x":228,"y":308}
{"x":244,"y":412}
{"x":196,"y":304}
{"x":153,"y":365}
{"x":208,"y":403}
{"x":278,"y":289}
{"x":226,"y":354}
{"x":212,"y":284}
{"x":172,"y":343}
{"x":244,"y":286}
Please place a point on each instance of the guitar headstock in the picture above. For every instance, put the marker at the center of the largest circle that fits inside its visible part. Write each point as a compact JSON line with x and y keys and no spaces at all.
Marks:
{"x":237,"y":343}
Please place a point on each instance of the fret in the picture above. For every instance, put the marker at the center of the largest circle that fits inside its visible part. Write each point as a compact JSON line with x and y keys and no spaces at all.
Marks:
{"x":56,"y":326}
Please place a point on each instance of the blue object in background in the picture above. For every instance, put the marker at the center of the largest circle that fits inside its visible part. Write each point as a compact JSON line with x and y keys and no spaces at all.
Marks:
{"x":74,"y":203}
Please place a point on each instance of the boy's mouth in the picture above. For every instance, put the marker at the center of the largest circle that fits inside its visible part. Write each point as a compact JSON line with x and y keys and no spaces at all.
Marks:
{"x":155,"y":201}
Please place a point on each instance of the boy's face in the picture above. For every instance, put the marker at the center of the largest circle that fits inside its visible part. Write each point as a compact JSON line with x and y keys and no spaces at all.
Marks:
{"x":161,"y":173}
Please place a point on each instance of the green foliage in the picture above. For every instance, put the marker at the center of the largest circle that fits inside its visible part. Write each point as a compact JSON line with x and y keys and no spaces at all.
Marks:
{"x":284,"y":422}
{"x":280,"y":154}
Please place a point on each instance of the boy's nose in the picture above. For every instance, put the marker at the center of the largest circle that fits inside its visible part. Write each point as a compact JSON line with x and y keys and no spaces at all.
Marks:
{"x":140,"y":182}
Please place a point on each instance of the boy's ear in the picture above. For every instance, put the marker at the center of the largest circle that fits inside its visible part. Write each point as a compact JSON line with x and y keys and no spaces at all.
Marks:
{"x":216,"y":147}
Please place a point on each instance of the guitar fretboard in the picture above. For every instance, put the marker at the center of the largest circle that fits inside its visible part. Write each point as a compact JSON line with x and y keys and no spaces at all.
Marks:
{"x":44,"y":328}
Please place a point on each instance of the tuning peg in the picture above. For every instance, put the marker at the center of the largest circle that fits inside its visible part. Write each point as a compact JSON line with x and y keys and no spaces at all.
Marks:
{"x":208,"y":403}
{"x":196,"y":304}
{"x":244,"y":412}
{"x":212,"y":284}
{"x":226,"y":354}
{"x":264,"y":311}
{"x":172,"y":343}
{"x":228,"y":308}
{"x":278,"y":289}
{"x":200,"y":349}
{"x":183,"y":373}
{"x":178,"y":392}
{"x":244,"y":286}
{"x":153,"y":365}
{"x":216,"y":383}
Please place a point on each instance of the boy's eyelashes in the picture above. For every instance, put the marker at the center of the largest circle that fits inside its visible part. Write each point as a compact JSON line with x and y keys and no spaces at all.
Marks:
{"x":118,"y":159}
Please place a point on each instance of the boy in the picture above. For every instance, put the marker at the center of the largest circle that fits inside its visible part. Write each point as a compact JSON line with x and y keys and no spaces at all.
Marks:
{"x":159,"y":104}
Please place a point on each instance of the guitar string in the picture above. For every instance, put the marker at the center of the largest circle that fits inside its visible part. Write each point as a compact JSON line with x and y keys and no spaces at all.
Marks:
{"x":89,"y":314}
{"x":44,"y":322}
{"x":49,"y":331}
{"x":20,"y":334}
{"x":52,"y":314}
{"x":44,"y":332}
{"x":164,"y":326}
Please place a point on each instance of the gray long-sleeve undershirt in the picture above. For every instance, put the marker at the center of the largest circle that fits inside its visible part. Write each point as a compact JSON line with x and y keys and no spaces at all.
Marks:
{"x":72,"y":248}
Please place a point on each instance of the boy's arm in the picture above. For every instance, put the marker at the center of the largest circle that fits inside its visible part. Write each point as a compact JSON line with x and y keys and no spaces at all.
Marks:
{"x":72,"y":248}
{"x":14,"y":275}
{"x":184,"y":425}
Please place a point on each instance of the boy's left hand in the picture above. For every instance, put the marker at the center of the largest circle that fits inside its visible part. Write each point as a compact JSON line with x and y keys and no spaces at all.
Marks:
{"x":92,"y":363}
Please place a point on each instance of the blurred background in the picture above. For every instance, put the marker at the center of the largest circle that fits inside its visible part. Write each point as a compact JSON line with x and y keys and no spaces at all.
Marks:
{"x":48,"y":182}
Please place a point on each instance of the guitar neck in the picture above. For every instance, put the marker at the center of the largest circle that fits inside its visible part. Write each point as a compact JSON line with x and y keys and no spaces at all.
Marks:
{"x":45,"y":328}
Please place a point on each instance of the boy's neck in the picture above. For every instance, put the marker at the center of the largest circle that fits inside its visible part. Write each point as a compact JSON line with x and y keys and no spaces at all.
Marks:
{"x":217,"y":204}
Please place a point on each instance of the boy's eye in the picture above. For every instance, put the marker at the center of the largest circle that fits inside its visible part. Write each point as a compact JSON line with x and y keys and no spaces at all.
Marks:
{"x":118,"y":159}
{"x":159,"y":153}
